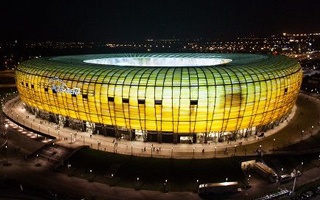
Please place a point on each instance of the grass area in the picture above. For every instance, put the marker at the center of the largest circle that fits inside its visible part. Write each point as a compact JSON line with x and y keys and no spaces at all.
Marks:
{"x":181,"y":175}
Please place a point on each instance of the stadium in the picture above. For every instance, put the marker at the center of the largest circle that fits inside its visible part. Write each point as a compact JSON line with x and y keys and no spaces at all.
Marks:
{"x":174,"y":98}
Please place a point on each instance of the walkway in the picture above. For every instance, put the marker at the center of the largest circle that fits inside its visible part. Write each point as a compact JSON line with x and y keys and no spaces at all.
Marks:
{"x":72,"y":139}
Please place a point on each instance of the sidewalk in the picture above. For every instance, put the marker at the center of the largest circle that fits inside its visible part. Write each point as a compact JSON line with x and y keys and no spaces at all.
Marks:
{"x":73,"y":139}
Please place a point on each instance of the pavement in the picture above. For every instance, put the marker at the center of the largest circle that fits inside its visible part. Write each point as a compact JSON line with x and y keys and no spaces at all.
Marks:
{"x":32,"y":175}
{"x":70,"y":138}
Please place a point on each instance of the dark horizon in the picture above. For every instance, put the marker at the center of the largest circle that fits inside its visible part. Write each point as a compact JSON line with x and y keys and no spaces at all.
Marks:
{"x":126,"y":20}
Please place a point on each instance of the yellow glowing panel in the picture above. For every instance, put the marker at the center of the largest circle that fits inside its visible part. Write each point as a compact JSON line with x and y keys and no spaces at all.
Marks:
{"x":250,"y":90}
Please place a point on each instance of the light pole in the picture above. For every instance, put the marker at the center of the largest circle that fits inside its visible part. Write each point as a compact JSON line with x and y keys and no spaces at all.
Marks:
{"x":215,"y":151}
{"x":165,"y":186}
{"x":58,"y":134}
{"x":6,"y":153}
{"x":131,"y":148}
{"x":193,"y":152}
{"x":91,"y":176}
{"x":260,"y":150}
{"x":69,"y":166}
{"x":171,"y":152}
{"x":235,"y":150}
{"x":274,"y":140}
{"x":71,"y":138}
{"x":197,"y":185}
{"x":6,"y":127}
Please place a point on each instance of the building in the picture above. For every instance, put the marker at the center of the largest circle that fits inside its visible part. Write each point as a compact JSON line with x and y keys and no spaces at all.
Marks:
{"x":162,"y":97}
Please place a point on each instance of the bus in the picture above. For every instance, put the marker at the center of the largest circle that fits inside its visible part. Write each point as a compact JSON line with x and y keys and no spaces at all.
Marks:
{"x":219,"y":188}
{"x":265,"y":171}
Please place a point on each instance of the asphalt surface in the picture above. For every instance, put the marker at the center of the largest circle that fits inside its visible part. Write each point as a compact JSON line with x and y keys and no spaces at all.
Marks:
{"x":37,"y":173}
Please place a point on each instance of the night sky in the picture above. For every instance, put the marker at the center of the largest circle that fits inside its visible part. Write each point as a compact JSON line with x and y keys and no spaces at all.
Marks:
{"x":124,"y":20}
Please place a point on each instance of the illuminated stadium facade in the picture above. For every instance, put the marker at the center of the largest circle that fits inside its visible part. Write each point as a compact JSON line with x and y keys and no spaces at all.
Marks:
{"x":162,"y":97}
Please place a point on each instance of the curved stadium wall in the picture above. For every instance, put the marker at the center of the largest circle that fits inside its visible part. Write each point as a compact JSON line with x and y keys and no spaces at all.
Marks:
{"x":163,"y":93}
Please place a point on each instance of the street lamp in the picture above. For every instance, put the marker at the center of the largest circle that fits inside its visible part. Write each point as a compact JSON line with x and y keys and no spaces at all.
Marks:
{"x":69,"y":166}
{"x":235,"y":150}
{"x":71,"y":138}
{"x":165,"y":189}
{"x":227,"y":179}
{"x":274,"y":140}
{"x":193,"y":152}
{"x":171,"y":151}
{"x":197,"y":185}
{"x":6,"y":153}
{"x":6,"y":126}
{"x":215,"y":151}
